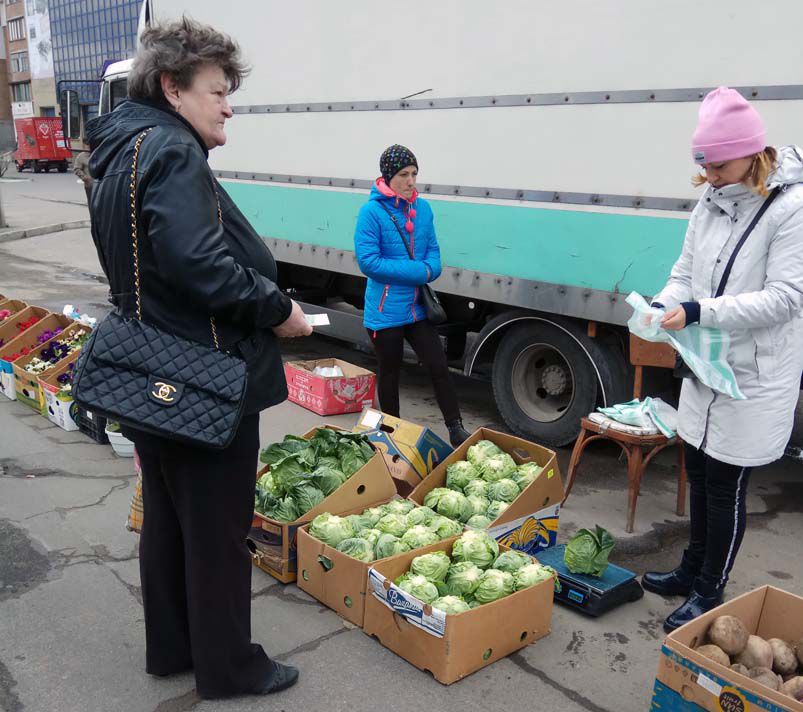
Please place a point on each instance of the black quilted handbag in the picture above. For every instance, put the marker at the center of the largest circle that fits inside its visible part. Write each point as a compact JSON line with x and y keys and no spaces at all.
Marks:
{"x":151,"y":380}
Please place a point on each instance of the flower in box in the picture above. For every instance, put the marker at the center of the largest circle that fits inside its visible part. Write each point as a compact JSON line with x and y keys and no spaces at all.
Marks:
{"x":65,"y":383}
{"x":4,"y":314}
{"x":56,"y":350}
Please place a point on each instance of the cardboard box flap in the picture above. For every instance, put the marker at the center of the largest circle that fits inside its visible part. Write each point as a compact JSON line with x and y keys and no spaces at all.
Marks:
{"x":349,"y":369}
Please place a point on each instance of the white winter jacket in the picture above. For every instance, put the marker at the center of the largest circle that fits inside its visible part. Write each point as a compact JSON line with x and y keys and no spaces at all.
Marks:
{"x":760,"y":309}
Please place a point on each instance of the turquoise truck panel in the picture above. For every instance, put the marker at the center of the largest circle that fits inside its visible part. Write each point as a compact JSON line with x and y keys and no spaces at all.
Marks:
{"x":602,"y":251}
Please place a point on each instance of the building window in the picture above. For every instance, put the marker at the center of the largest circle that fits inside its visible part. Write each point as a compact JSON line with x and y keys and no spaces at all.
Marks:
{"x":21,"y":91}
{"x":19,"y":62}
{"x":16,"y":29}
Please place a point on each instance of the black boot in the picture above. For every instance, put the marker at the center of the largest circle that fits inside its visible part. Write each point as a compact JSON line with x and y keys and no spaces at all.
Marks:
{"x":677,"y":582}
{"x":701,"y":600}
{"x":457,"y":433}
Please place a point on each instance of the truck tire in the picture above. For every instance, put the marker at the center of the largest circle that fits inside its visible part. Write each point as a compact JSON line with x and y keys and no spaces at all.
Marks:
{"x":546,"y":378}
{"x":63,"y":167}
{"x":37,"y":168}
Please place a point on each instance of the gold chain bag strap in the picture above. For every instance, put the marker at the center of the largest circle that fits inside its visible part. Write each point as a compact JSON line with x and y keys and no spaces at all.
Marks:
{"x":149,"y":379}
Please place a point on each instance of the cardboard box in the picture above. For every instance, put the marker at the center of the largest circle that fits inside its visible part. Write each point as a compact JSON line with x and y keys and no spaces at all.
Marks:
{"x":411,"y":451}
{"x":27,"y":384}
{"x":329,"y":395}
{"x":58,"y":407}
{"x":274,"y":543}
{"x":451,"y":647}
{"x":15,"y":306}
{"x":688,"y":681}
{"x":335,"y":579}
{"x":13,"y":341}
{"x":530,"y":523}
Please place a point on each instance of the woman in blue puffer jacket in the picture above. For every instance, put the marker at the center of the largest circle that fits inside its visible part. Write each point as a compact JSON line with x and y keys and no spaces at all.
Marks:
{"x":393,"y":308}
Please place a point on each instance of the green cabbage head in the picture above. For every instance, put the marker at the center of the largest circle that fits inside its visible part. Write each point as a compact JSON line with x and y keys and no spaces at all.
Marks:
{"x":395,"y":524}
{"x":419,"y":536}
{"x":432,"y":566}
{"x":587,"y":552}
{"x":370,"y":535}
{"x":476,"y":488}
{"x":493,"y":585}
{"x":418,"y":586}
{"x":496,"y":509}
{"x":479,"y":505}
{"x":433,"y":497}
{"x":463,"y":578}
{"x":389,"y":545}
{"x":331,"y":529}
{"x":459,"y":474}
{"x":526,"y":474}
{"x":455,"y":506}
{"x":481,"y":451}
{"x":444,"y":527}
{"x":532,"y":574}
{"x":477,"y":547}
{"x":451,"y":605}
{"x":420,"y":515}
{"x":398,"y":506}
{"x":498,"y":467}
{"x":479,"y":521}
{"x":357,"y":549}
{"x":511,"y":561}
{"x":505,"y":490}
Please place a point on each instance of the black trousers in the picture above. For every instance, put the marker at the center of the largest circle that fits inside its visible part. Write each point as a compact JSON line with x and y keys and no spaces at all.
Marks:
{"x":194,"y":564}
{"x":389,"y":348}
{"x":718,"y":518}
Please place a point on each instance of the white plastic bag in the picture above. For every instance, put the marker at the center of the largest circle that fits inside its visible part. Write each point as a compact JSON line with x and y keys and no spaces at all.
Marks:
{"x":328,"y":371}
{"x":704,"y":350}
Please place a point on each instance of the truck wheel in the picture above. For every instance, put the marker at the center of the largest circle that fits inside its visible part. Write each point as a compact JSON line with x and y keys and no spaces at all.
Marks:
{"x":20,"y":166}
{"x":63,"y":167}
{"x":546,"y":378}
{"x":37,"y":168}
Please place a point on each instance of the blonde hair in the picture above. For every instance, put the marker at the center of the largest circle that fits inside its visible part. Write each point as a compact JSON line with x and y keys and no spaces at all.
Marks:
{"x":763,"y":164}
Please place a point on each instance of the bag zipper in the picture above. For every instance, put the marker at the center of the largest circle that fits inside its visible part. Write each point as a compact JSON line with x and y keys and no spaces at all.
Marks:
{"x":384,"y":297}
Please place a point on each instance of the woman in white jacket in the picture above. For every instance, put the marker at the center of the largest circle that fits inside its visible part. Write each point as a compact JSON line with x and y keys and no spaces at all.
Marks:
{"x":760,"y":308}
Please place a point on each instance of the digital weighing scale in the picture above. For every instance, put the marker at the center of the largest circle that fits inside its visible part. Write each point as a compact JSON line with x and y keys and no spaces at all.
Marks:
{"x":590,"y":594}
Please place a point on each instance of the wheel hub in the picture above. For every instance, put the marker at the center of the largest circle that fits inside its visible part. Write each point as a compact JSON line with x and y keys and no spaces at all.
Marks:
{"x":554,"y":380}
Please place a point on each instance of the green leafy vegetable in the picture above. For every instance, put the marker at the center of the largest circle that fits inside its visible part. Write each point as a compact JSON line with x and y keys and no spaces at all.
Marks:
{"x":479,"y":521}
{"x":420,"y":515}
{"x":418,"y":586}
{"x":493,"y":585}
{"x":284,"y":510}
{"x":455,"y":506}
{"x":477,"y":488}
{"x":306,"y":496}
{"x":479,"y":505}
{"x":505,"y":490}
{"x":398,"y":506}
{"x":526,"y":475}
{"x":433,"y":497}
{"x":459,"y":474}
{"x":498,"y":467}
{"x":327,"y":478}
{"x":532,"y":574}
{"x":481,"y":451}
{"x":389,"y":545}
{"x":357,"y":549}
{"x":463,"y":578}
{"x":331,"y":529}
{"x":477,"y":547}
{"x":444,"y":527}
{"x":587,"y":552}
{"x":432,"y":566}
{"x":511,"y":561}
{"x":495,"y":510}
{"x":395,"y":524}
{"x":451,"y":605}
{"x":419,"y":536}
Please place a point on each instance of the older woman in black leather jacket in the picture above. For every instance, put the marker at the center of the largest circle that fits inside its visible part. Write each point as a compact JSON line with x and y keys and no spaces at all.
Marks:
{"x":199,"y":257}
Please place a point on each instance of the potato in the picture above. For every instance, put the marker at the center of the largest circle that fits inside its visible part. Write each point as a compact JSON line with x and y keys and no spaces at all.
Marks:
{"x":741,"y":669}
{"x":765,"y":676}
{"x":757,"y":654}
{"x":715,"y":653}
{"x":729,"y":634}
{"x":784,"y":661}
{"x":799,"y":651}
{"x":794,"y":688}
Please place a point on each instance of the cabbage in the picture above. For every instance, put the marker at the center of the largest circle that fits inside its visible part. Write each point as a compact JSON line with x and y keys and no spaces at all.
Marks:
{"x":370,"y":535}
{"x":444,"y":527}
{"x":474,"y":604}
{"x":526,"y":474}
{"x":418,"y":586}
{"x":374,"y":514}
{"x":455,"y":506}
{"x":479,"y":505}
{"x":360,"y":521}
{"x":532,"y":574}
{"x":503,"y":490}
{"x":357,"y":549}
{"x":476,"y":546}
{"x":306,"y":497}
{"x":462,"y":578}
{"x":511,"y":561}
{"x":432,"y":566}
{"x":496,"y":509}
{"x":587,"y":552}
{"x":498,"y":467}
{"x":389,"y":545}
{"x":451,"y":605}
{"x":288,"y":473}
{"x":395,"y":524}
{"x":351,"y":457}
{"x":420,"y":515}
{"x":479,"y":453}
{"x":459,"y":474}
{"x":329,"y":461}
{"x":479,"y":521}
{"x":419,"y":536}
{"x":493,"y":585}
{"x":398,"y":506}
{"x":285,"y":510}
{"x":432,"y":499}
{"x":331,"y":529}
{"x":476,"y":488}
{"x":328,"y":479}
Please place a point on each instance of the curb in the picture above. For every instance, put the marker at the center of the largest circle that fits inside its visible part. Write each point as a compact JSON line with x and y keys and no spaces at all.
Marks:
{"x":11,"y":235}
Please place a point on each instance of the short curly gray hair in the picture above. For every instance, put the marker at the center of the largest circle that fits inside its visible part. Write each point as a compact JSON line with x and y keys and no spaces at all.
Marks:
{"x":180,"y":49}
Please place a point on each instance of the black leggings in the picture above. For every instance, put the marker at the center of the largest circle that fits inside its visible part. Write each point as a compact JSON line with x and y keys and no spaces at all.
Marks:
{"x":718,"y":517}
{"x":389,"y":348}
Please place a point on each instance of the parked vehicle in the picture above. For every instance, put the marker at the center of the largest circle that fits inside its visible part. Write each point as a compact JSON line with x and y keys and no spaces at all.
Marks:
{"x":554,"y":148}
{"x":41,"y":145}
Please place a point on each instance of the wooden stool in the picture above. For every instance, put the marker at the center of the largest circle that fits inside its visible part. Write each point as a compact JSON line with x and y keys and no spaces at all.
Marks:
{"x":639,"y":449}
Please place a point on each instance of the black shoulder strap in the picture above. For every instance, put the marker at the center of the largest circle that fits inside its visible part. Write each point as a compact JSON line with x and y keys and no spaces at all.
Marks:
{"x":401,"y":234}
{"x":728,"y":267}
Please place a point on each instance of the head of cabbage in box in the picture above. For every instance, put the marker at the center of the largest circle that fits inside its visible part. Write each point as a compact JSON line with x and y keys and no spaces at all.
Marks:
{"x":475,"y":574}
{"x":304,"y":472}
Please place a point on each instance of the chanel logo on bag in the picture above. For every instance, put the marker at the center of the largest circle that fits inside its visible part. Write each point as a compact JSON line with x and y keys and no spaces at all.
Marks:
{"x":162,"y":391}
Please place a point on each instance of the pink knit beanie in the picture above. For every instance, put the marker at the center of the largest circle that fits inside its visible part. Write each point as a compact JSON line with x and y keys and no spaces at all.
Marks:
{"x":728,"y":127}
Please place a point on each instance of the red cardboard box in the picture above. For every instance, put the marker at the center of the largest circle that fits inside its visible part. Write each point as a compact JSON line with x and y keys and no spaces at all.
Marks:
{"x":330,"y":395}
